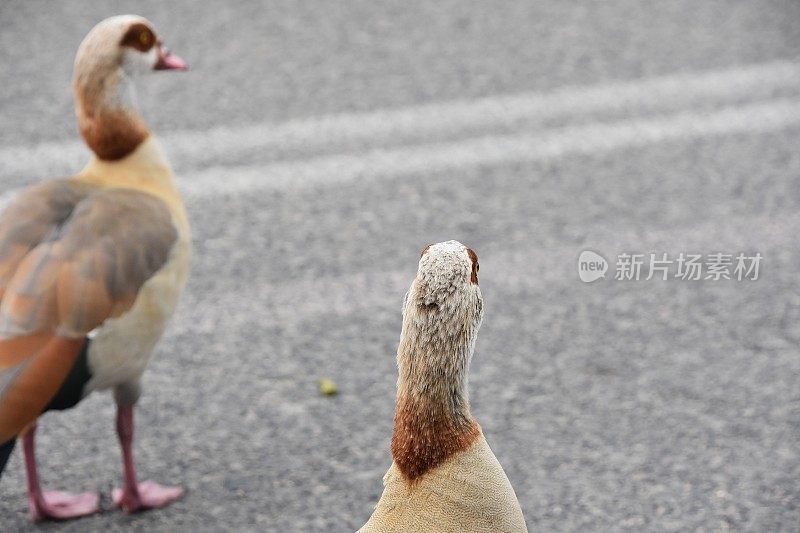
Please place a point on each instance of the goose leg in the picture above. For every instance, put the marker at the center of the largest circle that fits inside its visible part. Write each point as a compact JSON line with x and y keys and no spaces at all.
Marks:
{"x":135,"y":496}
{"x":51,"y":505}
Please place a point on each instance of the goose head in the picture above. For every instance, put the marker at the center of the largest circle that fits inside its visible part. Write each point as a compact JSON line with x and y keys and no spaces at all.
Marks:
{"x":114,"y":52}
{"x":445,"y":293}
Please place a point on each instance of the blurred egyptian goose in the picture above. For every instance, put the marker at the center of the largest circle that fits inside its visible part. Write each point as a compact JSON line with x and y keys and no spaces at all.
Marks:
{"x":444,"y":477}
{"x":91,"y":267}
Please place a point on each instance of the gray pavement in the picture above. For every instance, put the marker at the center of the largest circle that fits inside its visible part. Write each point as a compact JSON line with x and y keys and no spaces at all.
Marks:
{"x":321,"y":147}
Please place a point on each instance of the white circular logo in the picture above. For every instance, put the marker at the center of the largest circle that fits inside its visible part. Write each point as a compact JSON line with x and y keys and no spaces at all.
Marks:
{"x":591,"y":266}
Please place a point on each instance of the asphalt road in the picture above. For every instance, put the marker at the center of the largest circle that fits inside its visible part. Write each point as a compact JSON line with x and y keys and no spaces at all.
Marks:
{"x":322,"y":146}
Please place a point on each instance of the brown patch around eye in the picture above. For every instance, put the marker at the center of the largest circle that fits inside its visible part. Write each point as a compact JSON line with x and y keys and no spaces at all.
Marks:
{"x":140,"y":37}
{"x":475,"y":266}
{"x":425,"y":250}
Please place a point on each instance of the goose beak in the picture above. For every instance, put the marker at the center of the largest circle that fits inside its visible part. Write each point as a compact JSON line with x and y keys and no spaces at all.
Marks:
{"x":169,"y":61}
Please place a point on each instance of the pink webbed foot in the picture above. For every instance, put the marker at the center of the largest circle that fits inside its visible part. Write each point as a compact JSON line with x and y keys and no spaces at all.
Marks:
{"x":150,"y":495}
{"x":59,"y":505}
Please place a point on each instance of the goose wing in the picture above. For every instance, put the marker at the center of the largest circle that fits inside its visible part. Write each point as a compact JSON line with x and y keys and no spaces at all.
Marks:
{"x":64,"y":272}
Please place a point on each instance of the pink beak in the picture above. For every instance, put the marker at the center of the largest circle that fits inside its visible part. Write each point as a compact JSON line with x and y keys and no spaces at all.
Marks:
{"x":169,"y":61}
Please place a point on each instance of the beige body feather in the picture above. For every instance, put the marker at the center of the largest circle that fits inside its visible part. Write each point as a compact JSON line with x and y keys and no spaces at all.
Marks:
{"x":468,"y":492}
{"x":122,"y":346}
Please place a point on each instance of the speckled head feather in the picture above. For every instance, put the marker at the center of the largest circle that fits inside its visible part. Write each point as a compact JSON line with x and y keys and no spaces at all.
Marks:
{"x":441,"y":317}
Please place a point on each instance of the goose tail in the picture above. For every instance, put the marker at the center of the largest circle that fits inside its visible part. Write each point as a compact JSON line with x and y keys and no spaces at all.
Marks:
{"x":5,"y":453}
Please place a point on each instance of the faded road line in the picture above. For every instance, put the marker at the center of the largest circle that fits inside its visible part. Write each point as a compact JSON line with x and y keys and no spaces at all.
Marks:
{"x":493,"y":150}
{"x":437,"y":122}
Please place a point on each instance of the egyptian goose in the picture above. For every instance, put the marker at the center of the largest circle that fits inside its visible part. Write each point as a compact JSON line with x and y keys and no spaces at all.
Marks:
{"x":444,"y":477}
{"x":91,"y":267}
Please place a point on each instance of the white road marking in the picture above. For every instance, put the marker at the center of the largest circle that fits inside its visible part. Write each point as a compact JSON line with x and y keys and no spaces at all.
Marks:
{"x":494,"y":150}
{"x":497,"y":114}
{"x":434,"y":123}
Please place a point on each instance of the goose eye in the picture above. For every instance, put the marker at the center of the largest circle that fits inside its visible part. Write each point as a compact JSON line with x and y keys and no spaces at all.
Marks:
{"x":140,"y":37}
